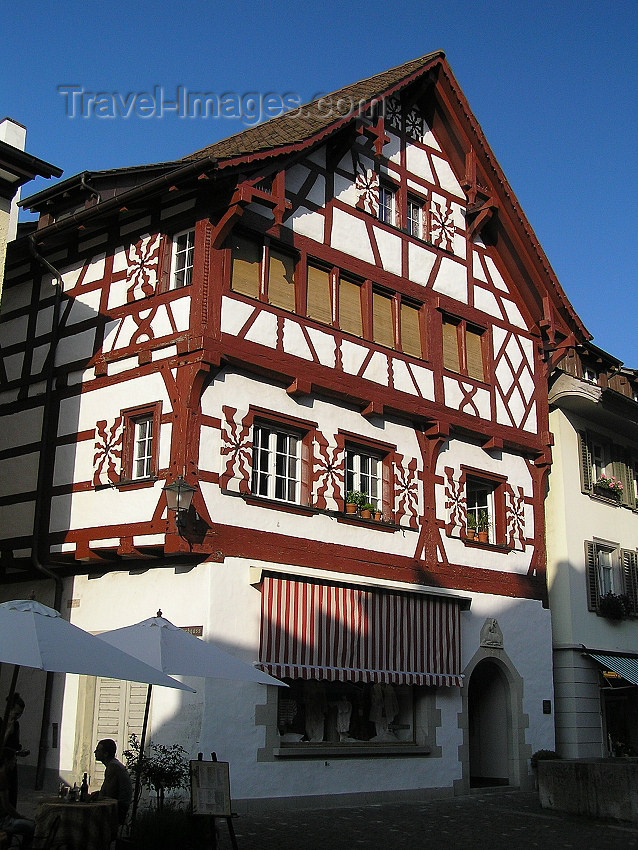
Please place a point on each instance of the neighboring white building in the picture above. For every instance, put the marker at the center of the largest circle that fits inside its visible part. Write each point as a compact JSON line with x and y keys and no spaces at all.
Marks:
{"x":592,"y":545}
{"x":324,"y":303}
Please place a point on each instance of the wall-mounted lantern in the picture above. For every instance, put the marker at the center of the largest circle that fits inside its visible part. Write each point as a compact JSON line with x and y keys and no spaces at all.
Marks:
{"x":179,"y":496}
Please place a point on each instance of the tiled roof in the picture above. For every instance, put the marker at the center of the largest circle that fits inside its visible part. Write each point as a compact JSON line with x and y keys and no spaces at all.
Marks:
{"x":303,"y":123}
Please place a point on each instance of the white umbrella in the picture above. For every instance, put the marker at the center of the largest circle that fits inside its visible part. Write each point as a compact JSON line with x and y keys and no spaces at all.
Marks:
{"x":33,"y":635}
{"x":170,"y":649}
{"x":163,"y":645}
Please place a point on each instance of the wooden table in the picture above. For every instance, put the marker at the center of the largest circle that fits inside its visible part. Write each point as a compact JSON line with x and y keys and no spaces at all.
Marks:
{"x":83,"y":826}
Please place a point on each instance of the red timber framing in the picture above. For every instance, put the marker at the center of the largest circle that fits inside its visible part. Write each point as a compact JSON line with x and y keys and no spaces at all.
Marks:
{"x":186,"y":340}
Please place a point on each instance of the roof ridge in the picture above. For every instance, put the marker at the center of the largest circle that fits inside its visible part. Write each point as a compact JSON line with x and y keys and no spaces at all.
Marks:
{"x":309,"y":118}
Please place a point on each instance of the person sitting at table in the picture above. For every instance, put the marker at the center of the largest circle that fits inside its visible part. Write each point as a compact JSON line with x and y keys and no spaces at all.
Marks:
{"x":11,"y":821}
{"x":117,"y":781}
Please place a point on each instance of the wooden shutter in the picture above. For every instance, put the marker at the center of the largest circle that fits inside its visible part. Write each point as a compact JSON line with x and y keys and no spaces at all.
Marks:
{"x":585,"y":463}
{"x":246,"y":266}
{"x":281,"y":280}
{"x":451,"y":346}
{"x":319,"y":300}
{"x":591,"y":573}
{"x":629,"y":561}
{"x":410,"y":331}
{"x":621,"y":470}
{"x":474,"y":354}
{"x":382,"y":324}
{"x":118,"y":713}
{"x":350,"y":307}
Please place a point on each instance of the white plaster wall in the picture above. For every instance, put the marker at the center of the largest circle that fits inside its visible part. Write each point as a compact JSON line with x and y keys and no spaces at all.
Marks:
{"x":573,"y":518}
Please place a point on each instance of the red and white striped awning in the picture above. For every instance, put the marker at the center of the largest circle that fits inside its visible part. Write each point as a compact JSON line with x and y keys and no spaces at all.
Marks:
{"x":349,"y":633}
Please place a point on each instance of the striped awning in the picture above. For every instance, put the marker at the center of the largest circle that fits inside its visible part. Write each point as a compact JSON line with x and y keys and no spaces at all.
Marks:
{"x":349,"y":633}
{"x":625,"y":665}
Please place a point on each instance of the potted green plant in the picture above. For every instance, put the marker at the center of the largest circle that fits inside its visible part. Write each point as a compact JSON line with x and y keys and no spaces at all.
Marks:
{"x":366,"y":510}
{"x":614,"y":606}
{"x":470,"y":526}
{"x":378,"y":515}
{"x":483,"y":525}
{"x":354,"y":499}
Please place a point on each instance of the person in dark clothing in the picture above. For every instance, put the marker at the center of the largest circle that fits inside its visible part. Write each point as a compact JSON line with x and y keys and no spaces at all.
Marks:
{"x":117,"y":781}
{"x":11,"y":821}
{"x":12,"y":742}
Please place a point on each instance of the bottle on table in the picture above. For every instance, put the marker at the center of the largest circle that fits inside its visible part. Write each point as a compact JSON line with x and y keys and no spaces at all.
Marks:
{"x":84,"y":789}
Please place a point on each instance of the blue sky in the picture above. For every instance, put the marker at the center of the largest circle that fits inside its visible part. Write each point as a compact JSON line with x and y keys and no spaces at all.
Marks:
{"x":552,"y":84}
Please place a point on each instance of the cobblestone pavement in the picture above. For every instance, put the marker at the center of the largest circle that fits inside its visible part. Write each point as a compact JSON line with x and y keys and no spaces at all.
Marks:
{"x":495,"y":821}
{"x":504,"y":820}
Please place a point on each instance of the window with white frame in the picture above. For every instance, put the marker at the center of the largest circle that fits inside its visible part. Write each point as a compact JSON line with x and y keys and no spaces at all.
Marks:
{"x":603,"y":571}
{"x":480,"y":506}
{"x":276,"y":463}
{"x":140,"y":443}
{"x":364,"y":474}
{"x":182,"y":260}
{"x":387,"y":204}
{"x":415,"y":217}
{"x":143,"y":447}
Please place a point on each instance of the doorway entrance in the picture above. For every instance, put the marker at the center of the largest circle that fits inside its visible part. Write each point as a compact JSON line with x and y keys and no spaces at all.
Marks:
{"x":489,"y":726}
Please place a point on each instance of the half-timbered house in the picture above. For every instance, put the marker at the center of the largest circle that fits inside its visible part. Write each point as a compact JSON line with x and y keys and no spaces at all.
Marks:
{"x":345,"y":299}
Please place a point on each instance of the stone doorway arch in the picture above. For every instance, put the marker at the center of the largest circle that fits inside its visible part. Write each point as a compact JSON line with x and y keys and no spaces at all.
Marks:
{"x":493,"y":723}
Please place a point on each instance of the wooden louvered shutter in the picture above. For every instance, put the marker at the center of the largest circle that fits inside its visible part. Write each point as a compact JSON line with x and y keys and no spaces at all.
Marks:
{"x":629,"y":560}
{"x":118,"y":714}
{"x":410,"y":331}
{"x":382,"y":324}
{"x":585,"y":463}
{"x":350,"y":307}
{"x":621,"y":471}
{"x":246,"y":266}
{"x":281,"y":280}
{"x":591,"y":575}
{"x":451,"y":346}
{"x":474,"y":354}
{"x":319,"y":295}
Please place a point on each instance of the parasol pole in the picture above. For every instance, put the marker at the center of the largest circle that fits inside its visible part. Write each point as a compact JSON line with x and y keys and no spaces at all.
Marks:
{"x":138,"y":772}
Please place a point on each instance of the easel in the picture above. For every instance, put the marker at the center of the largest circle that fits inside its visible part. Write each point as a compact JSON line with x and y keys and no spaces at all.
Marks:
{"x":210,"y":794}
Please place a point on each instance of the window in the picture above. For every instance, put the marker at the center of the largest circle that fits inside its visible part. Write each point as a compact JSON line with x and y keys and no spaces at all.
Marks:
{"x":607,"y":470}
{"x":415,"y":218}
{"x":463,"y":348}
{"x":376,"y":684}
{"x":590,"y":374}
{"x":319,"y":295}
{"x":387,"y":204}
{"x":276,"y":463}
{"x":610,"y":570}
{"x":182,"y":264}
{"x":140,"y":449}
{"x":480,"y":506}
{"x":382,"y":319}
{"x":350,"y":314}
{"x":364,"y":473}
{"x":411,"y":330}
{"x":261,"y":270}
